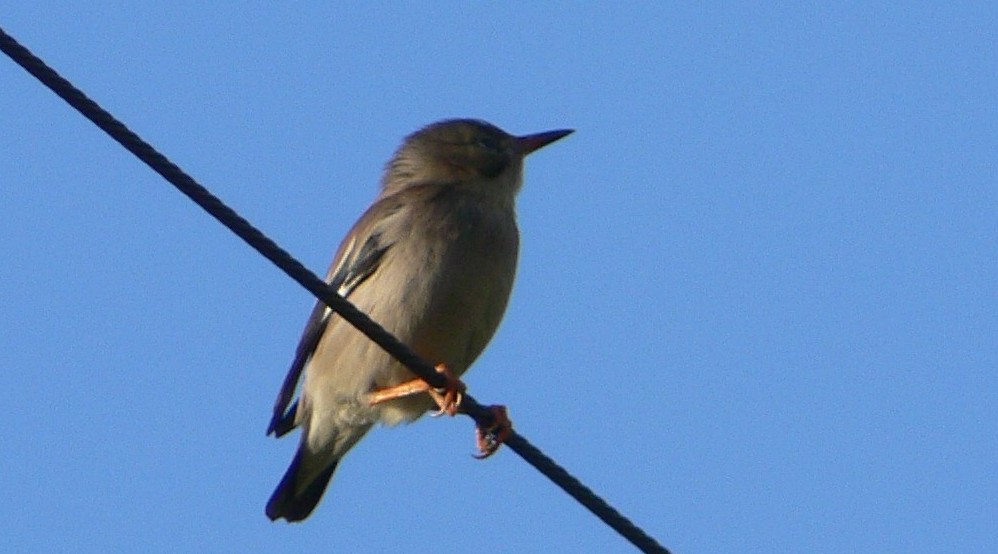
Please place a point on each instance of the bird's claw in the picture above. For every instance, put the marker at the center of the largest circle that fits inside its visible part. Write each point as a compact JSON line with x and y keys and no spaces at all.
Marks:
{"x":490,"y":439}
{"x":449,"y":397}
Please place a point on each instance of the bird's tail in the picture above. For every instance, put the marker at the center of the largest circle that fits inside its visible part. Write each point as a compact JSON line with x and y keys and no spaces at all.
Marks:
{"x":294,"y":503}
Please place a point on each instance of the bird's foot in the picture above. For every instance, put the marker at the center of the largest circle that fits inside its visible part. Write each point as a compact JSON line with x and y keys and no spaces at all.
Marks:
{"x":448,"y":398}
{"x":490,"y":439}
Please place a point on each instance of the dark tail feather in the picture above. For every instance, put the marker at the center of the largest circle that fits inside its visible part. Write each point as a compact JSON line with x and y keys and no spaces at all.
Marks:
{"x":296,"y":507}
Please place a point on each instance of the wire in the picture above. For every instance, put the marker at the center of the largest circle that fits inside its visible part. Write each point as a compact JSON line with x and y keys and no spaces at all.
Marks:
{"x":320,"y":289}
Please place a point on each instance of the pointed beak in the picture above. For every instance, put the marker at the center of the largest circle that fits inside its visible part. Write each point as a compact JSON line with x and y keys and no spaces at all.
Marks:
{"x":529,"y":143}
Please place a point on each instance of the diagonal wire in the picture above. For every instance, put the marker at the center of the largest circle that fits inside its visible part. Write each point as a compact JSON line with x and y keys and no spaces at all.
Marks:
{"x":319,"y":288}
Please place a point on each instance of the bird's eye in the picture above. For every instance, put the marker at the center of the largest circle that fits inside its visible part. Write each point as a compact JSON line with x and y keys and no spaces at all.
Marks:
{"x":488,"y":143}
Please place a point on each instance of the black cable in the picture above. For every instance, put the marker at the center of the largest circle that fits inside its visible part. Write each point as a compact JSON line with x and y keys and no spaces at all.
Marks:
{"x":294,"y":269}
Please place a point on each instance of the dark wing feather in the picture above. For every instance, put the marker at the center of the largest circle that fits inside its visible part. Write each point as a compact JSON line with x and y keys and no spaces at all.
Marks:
{"x":283,"y":419}
{"x":354,"y":266}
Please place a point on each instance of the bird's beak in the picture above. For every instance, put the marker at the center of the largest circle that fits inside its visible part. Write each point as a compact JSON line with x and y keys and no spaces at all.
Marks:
{"x":529,"y":143}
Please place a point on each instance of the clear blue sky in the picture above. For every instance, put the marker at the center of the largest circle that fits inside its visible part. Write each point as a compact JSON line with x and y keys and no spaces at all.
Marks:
{"x":756,"y":308}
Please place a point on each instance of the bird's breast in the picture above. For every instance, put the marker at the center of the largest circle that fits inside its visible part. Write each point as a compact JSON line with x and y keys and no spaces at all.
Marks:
{"x":458,"y":290}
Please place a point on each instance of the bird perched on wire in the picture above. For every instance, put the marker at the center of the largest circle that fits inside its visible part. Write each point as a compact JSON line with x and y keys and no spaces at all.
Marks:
{"x":432,"y":260}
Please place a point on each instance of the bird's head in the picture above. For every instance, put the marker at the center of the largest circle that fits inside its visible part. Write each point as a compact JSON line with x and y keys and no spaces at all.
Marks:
{"x":467,"y":153}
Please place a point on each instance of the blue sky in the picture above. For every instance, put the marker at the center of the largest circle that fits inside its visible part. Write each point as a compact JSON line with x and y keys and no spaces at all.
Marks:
{"x":756,"y":303}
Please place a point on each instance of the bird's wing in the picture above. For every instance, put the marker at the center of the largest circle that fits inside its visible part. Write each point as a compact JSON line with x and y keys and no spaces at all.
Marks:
{"x":358,"y":258}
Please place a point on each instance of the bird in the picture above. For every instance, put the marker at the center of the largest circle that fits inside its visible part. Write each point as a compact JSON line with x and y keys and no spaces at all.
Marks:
{"x":432,"y":260}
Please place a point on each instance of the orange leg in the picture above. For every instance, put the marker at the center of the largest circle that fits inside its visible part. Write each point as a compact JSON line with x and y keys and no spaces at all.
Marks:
{"x":489,"y":440}
{"x":448,"y":399}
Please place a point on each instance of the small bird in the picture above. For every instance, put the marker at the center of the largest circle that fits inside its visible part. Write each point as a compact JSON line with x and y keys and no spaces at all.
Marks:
{"x":432,"y":260}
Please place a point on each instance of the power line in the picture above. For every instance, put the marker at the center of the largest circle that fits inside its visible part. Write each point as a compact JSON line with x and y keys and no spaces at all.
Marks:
{"x":321,"y":290}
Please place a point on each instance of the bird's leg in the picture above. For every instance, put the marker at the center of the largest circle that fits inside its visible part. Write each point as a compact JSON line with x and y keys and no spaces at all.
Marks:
{"x":490,"y":439}
{"x":408,"y":388}
{"x":448,"y":398}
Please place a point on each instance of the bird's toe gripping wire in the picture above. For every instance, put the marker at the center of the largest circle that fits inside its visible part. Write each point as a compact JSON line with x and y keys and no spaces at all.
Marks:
{"x":489,"y":439}
{"x":448,"y":398}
